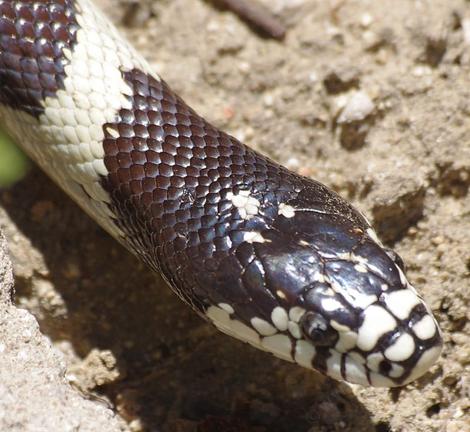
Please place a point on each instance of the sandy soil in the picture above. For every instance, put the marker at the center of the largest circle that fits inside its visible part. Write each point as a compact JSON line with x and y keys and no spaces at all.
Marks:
{"x":371,"y":98}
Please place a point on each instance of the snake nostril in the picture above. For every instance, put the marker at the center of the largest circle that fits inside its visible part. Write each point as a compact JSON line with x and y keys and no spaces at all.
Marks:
{"x":385,"y":367}
{"x":318,"y":330}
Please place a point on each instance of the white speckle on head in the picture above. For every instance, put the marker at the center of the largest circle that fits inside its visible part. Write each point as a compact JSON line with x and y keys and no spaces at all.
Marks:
{"x":281,"y":294}
{"x":254,"y":237}
{"x":355,"y":298}
{"x":303,"y":243}
{"x":384,"y":287}
{"x":363,"y":265}
{"x":345,"y":256}
{"x":355,"y":372}
{"x":319,"y":277}
{"x":296,"y":313}
{"x":304,"y":353}
{"x":377,"y":322}
{"x":425,"y":328}
{"x":286,"y":210}
{"x":226,"y":307}
{"x":358,"y":259}
{"x":401,"y":302}
{"x":294,"y":329}
{"x":280,"y":345}
{"x":330,"y":304}
{"x":361,"y":268}
{"x":427,"y":359}
{"x":279,"y":318}
{"x":401,"y":349}
{"x":263,"y":327}
{"x":247,"y":205}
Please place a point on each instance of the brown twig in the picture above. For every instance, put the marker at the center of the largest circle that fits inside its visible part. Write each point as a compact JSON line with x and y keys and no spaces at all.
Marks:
{"x":258,"y":16}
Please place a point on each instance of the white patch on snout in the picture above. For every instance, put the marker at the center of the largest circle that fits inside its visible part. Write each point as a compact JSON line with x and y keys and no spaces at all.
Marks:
{"x":401,"y":349}
{"x":377,"y":322}
{"x":425,"y":328}
{"x":400,"y":303}
{"x":247,"y":205}
{"x":427,"y":359}
{"x":254,"y":237}
{"x":286,"y":210}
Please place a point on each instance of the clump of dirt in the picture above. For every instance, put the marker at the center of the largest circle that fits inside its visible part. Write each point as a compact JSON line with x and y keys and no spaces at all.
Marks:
{"x":371,"y":98}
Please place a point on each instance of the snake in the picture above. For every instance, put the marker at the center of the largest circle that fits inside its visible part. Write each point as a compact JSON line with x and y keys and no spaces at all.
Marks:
{"x":269,"y":257}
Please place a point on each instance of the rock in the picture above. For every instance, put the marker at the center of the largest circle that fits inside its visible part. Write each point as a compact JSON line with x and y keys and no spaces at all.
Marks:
{"x":357,"y":108}
{"x":34,"y":394}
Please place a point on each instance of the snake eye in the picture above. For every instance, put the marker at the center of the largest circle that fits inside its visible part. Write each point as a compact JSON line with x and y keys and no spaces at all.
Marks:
{"x":395,"y":258}
{"x":317,"y":329}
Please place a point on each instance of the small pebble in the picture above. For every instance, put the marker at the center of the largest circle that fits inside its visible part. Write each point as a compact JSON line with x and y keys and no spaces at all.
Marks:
{"x":357,"y":108}
{"x":366,"y":20}
{"x":466,"y":30}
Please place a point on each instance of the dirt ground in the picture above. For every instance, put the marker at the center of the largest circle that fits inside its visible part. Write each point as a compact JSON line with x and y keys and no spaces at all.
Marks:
{"x":370,"y":97}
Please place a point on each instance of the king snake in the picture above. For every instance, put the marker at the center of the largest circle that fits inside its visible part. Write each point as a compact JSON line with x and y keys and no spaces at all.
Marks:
{"x":268,"y":256}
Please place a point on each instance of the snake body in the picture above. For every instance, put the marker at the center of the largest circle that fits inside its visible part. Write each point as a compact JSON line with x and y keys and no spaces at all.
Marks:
{"x":269,"y":257}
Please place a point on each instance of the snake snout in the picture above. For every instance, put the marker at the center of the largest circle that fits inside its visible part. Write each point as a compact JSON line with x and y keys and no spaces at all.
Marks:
{"x":399,"y":338}
{"x":367,"y":323}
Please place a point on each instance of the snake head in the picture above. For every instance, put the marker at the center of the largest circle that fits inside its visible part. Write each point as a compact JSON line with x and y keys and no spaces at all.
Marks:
{"x":327,"y":295}
{"x":367,"y":323}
